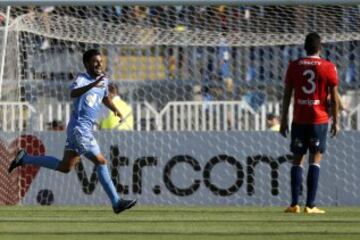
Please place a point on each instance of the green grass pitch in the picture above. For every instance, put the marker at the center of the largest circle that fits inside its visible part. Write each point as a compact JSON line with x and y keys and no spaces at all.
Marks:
{"x":170,"y":222}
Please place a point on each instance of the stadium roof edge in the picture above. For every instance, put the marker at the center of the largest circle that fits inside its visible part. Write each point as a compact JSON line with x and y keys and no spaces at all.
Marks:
{"x":175,"y":2}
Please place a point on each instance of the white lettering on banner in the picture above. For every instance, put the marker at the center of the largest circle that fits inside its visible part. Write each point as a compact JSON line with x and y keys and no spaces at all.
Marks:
{"x":308,"y":102}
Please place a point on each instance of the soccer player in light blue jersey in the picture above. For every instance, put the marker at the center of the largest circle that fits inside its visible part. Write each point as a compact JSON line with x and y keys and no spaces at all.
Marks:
{"x":89,"y":90}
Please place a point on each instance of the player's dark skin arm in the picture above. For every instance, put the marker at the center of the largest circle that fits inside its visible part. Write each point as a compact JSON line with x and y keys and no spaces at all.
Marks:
{"x":80,"y":91}
{"x":109,"y":104}
{"x":284,"y":126}
{"x":334,"y":99}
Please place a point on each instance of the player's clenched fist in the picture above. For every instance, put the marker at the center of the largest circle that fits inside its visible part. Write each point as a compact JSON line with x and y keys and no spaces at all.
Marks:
{"x":284,"y":129}
{"x":334,"y":129}
{"x":99,"y":80}
{"x":118,"y":114}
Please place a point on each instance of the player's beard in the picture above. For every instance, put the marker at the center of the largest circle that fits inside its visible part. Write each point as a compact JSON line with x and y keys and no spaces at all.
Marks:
{"x":98,"y":71}
{"x":95,"y":72}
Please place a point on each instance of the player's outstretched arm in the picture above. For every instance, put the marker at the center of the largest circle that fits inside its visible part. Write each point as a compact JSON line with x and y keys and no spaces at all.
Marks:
{"x":334,"y":98}
{"x":284,"y":126}
{"x":77,"y":92}
{"x":109,"y":104}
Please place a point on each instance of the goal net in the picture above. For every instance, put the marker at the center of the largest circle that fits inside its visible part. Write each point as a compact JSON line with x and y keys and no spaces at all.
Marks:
{"x":200,"y":87}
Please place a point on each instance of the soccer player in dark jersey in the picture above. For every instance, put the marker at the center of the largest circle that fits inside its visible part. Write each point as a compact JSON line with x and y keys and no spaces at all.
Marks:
{"x":89,"y":91}
{"x":311,"y":79}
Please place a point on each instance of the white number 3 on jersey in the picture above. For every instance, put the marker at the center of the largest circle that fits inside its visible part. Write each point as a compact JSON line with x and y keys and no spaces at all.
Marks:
{"x":310,"y":75}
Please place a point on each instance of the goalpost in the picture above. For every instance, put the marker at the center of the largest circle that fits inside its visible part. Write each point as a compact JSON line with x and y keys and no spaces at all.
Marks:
{"x":200,"y":81}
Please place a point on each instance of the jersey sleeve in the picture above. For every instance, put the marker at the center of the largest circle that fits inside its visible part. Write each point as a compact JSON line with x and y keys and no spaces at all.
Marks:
{"x":79,"y":82}
{"x":288,"y":76}
{"x":333,"y":79}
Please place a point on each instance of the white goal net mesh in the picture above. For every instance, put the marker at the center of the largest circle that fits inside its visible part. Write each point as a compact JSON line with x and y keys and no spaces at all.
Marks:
{"x":200,"y":88}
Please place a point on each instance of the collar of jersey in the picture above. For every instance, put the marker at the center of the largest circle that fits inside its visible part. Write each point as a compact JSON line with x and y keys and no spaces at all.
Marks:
{"x":88,"y":75}
{"x":313,"y":56}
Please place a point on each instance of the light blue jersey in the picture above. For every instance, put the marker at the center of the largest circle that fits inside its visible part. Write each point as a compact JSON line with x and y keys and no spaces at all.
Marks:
{"x":86,"y":109}
{"x":224,"y":56}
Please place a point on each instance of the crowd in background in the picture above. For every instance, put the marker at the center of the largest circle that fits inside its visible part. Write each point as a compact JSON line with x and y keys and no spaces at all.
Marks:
{"x":222,"y":71}
{"x":217,"y":18}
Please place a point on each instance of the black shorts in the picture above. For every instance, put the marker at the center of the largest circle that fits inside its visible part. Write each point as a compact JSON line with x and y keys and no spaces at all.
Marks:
{"x":308,"y":136}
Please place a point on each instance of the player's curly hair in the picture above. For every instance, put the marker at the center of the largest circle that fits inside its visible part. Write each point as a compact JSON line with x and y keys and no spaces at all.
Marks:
{"x":312,"y":43}
{"x":89,"y":54}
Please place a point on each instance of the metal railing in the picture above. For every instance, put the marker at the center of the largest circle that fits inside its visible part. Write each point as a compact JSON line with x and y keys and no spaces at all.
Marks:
{"x":15,"y":116}
{"x":175,"y":116}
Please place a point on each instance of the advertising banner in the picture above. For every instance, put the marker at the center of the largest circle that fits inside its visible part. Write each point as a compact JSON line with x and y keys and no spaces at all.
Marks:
{"x":187,"y":168}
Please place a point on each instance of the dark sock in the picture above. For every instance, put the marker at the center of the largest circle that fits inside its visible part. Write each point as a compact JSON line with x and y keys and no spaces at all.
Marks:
{"x":312,"y":184}
{"x":296,"y":181}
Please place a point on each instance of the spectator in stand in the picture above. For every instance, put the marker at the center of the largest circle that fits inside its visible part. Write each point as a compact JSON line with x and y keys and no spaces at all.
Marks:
{"x":140,"y":14}
{"x":224,"y":70}
{"x":2,"y":20}
{"x":171,"y":63}
{"x":55,"y":125}
{"x":45,"y":17}
{"x":207,"y":98}
{"x":273,"y":122}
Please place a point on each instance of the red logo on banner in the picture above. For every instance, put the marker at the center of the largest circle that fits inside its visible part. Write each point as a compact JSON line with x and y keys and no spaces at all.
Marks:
{"x":14,"y":186}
